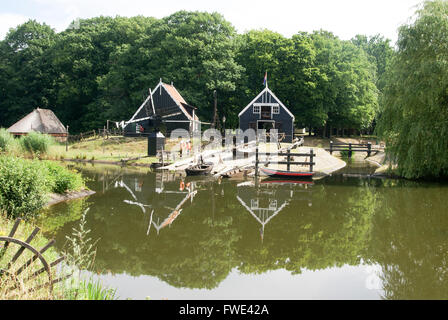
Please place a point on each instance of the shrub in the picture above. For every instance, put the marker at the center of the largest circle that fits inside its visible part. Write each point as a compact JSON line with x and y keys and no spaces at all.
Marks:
{"x":36,"y":142}
{"x":24,"y":186}
{"x":63,"y":179}
{"x":6,"y":140}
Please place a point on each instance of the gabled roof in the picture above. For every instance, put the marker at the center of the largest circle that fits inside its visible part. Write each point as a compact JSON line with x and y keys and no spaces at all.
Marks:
{"x":138,"y":115}
{"x":177,"y":98}
{"x":266,"y":89}
{"x":40,"y":120}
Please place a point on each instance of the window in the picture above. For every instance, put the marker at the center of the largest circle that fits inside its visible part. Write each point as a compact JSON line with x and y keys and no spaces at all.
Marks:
{"x":275,"y":109}
{"x":254,"y":204}
{"x":257,"y":109}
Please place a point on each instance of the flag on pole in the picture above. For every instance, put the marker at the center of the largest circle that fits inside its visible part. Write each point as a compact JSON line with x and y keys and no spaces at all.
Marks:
{"x":265,"y":81}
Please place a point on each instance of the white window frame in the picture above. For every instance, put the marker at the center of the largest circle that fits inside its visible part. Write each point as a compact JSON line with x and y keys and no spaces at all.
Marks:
{"x":275,"y":109}
{"x":256,"y":109}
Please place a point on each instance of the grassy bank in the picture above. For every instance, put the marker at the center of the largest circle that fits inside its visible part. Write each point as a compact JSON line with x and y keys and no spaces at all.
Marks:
{"x":111,"y":150}
{"x":26,"y":182}
{"x":74,"y":288}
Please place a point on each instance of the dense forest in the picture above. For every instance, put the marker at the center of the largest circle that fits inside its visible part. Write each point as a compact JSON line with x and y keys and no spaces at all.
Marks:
{"x":101,"y":69}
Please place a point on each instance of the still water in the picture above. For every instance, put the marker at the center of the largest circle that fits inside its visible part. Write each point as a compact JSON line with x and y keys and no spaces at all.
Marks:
{"x":343,"y":237}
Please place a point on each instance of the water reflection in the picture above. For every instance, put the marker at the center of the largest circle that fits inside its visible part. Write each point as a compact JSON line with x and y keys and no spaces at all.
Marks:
{"x":266,"y":199}
{"x":201,"y":234}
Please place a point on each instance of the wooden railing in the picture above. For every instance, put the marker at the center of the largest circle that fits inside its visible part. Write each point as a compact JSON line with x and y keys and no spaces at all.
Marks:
{"x":288,"y":161}
{"x":351,"y":147}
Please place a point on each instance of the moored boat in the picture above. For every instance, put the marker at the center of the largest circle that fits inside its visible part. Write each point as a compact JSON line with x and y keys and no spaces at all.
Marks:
{"x":285,"y":181}
{"x":199,"y":169}
{"x":286,"y":174}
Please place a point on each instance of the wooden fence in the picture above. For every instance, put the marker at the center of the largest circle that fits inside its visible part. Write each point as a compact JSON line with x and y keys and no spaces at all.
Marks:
{"x":288,"y":161}
{"x":351,"y":147}
{"x":94,"y":134}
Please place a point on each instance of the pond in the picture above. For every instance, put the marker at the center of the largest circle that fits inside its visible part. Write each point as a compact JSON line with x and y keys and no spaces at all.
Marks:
{"x":343,"y":237}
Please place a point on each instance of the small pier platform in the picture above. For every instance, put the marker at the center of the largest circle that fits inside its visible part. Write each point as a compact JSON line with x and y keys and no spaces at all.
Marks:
{"x":228,"y":163}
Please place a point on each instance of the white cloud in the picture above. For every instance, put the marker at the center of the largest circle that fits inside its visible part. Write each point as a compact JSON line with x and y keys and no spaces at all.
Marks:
{"x":8,"y":20}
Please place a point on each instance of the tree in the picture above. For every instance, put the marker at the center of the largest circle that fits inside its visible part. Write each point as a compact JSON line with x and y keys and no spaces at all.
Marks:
{"x":195,"y":50}
{"x":415,"y":113}
{"x":26,"y":76}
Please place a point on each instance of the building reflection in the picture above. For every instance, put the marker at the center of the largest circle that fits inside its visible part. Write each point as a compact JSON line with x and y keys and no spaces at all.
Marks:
{"x":163,"y":201}
{"x":265,"y":200}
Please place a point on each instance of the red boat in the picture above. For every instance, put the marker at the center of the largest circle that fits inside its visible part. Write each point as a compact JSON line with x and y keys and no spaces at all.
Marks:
{"x":286,"y":181}
{"x":286,"y":174}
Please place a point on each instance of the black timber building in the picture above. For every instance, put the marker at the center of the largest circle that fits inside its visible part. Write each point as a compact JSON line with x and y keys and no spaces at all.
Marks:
{"x":164,"y":101}
{"x":267,"y":112}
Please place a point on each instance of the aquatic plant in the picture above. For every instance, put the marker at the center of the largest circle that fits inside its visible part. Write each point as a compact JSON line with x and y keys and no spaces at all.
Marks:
{"x":80,"y":253}
{"x":95,"y":290}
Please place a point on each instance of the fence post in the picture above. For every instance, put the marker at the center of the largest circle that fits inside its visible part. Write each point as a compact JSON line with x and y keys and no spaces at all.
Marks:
{"x":66,"y":141}
{"x":223,"y":141}
{"x":256,"y":161}
{"x":349,"y":150}
{"x":311,"y":160}
{"x":369,"y":149}
{"x":331,"y":147}
{"x":288,"y":159}
{"x":234,"y":148}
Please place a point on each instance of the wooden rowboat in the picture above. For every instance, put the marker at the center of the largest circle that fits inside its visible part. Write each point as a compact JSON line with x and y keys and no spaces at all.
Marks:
{"x":286,"y":174}
{"x":199,"y":169}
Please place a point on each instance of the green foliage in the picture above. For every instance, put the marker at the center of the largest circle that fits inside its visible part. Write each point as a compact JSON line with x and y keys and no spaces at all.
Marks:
{"x":80,"y":254}
{"x":414,"y":119}
{"x":81,"y":249}
{"x":102,"y":70}
{"x":27,"y":75}
{"x":63,"y":179}
{"x":6,"y":140}
{"x":24,"y":186}
{"x":95,"y":290}
{"x":36,"y":143}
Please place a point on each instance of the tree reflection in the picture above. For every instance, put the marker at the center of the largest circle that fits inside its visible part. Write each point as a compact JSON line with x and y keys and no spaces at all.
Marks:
{"x":398,"y":225}
{"x":409,"y":241}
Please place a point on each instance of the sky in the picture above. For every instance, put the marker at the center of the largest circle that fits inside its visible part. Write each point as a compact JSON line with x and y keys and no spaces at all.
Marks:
{"x":345,"y":18}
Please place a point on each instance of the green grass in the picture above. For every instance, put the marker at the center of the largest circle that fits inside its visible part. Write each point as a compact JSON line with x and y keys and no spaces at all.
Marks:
{"x":113,"y":149}
{"x":22,"y":233}
{"x":87,"y":289}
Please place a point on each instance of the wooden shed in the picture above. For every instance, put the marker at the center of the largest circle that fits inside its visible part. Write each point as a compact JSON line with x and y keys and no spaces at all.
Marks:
{"x":40,"y":120}
{"x":267,"y":112}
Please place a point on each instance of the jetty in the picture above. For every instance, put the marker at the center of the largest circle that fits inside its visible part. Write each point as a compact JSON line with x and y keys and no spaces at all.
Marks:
{"x":231,"y":161}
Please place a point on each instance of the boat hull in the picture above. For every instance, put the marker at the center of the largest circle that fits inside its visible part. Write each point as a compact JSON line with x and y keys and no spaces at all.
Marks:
{"x":286,"y":174}
{"x":199,"y":170}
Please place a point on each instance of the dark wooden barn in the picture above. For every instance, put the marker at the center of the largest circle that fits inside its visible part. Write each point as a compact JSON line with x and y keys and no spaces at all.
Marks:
{"x":267,"y":112}
{"x":164,"y":101}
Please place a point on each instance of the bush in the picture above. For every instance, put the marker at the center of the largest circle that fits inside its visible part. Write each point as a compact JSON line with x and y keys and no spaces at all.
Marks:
{"x":36,"y":142}
{"x":6,"y":140}
{"x":63,"y":179}
{"x":24,"y":186}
